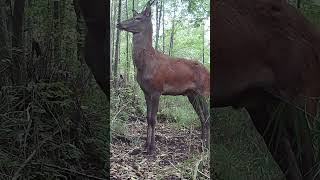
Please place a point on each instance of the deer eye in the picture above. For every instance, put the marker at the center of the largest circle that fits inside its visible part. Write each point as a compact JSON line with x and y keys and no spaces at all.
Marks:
{"x":138,"y":18}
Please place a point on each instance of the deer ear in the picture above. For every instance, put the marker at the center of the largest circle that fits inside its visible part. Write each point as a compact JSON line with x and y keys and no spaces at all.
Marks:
{"x":147,"y":11}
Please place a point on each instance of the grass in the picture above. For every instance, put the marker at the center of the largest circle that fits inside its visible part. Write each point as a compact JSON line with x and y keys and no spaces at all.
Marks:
{"x":239,"y":152}
{"x":47,"y":134}
{"x":171,"y":108}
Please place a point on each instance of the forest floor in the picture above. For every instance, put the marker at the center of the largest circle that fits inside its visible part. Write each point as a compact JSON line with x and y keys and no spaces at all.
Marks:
{"x":178,"y":153}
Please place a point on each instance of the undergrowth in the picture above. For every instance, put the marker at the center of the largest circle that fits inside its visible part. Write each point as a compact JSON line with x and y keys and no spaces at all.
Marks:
{"x":239,"y":152}
{"x":128,"y":104}
{"x":48,"y":132}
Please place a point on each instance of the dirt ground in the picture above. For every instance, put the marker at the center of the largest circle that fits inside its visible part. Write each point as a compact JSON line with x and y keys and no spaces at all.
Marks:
{"x":178,"y":154}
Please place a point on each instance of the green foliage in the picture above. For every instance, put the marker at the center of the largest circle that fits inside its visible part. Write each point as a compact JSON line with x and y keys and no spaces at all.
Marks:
{"x":188,"y":32}
{"x":177,"y":109}
{"x":311,"y":11}
{"x":200,"y":9}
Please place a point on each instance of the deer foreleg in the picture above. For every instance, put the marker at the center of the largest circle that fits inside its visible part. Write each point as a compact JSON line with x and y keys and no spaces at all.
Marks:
{"x":152,"y":109}
{"x":148,"y":102}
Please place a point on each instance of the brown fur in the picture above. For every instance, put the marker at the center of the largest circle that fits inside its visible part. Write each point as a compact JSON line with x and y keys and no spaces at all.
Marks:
{"x":266,"y":52}
{"x":181,"y":75}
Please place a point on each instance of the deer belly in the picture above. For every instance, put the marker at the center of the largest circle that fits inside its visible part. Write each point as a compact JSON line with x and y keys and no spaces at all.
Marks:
{"x":177,"y":88}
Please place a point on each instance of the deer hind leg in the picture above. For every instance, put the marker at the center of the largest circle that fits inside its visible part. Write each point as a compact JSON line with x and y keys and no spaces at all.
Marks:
{"x":200,"y":106}
{"x":277,"y":139}
{"x":302,"y":143}
{"x":152,"y":101}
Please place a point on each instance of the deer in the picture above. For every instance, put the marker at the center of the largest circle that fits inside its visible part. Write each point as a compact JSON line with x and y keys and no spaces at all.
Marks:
{"x":266,"y":53}
{"x":159,"y":74}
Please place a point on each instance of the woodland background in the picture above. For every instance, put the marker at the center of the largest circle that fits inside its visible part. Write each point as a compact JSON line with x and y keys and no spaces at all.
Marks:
{"x":53,"y":117}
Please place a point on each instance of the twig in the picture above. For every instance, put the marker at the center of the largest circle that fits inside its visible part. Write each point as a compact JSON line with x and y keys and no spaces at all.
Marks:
{"x":4,"y":175}
{"x":115,"y":116}
{"x":196,"y":168}
{"x":17,"y":173}
{"x":28,"y":128}
{"x":175,"y":166}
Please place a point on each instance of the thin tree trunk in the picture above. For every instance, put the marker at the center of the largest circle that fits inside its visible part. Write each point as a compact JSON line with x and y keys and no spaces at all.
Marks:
{"x":134,"y":99}
{"x":172,"y":30}
{"x":117,"y":48}
{"x":4,"y":39}
{"x":127,"y":58}
{"x":80,"y":27}
{"x":113,"y":34}
{"x":62,"y":49}
{"x":203,"y":42}
{"x":17,"y":41}
{"x":163,"y":33}
{"x":158,"y":20}
{"x":10,"y":22}
{"x":80,"y":32}
{"x":56,"y":29}
{"x":298,"y":3}
{"x":134,"y":68}
{"x":157,"y":24}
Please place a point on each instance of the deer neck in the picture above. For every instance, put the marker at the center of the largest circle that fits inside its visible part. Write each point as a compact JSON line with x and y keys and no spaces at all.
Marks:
{"x":142,"y":44}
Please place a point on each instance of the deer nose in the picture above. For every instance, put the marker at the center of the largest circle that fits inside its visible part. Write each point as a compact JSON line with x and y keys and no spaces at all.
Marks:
{"x":118,"y":25}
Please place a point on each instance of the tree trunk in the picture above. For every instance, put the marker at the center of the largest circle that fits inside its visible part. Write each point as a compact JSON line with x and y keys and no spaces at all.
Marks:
{"x":56,"y":30}
{"x":117,"y":48}
{"x":113,"y":33}
{"x":127,"y":46}
{"x":4,"y":39}
{"x":163,"y":33}
{"x":17,"y":41}
{"x":80,"y":32}
{"x":203,"y":42}
{"x":83,"y":75}
{"x":134,"y":99}
{"x":298,"y":3}
{"x":63,"y":50}
{"x":172,"y":30}
{"x":157,"y":22}
{"x":9,"y":23}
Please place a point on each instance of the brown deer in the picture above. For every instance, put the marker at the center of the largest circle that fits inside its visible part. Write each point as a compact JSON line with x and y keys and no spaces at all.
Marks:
{"x":267,"y":53}
{"x":158,"y":74}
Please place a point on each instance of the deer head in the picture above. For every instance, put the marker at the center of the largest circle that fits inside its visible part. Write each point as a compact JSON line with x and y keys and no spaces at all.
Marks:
{"x":139,"y":22}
